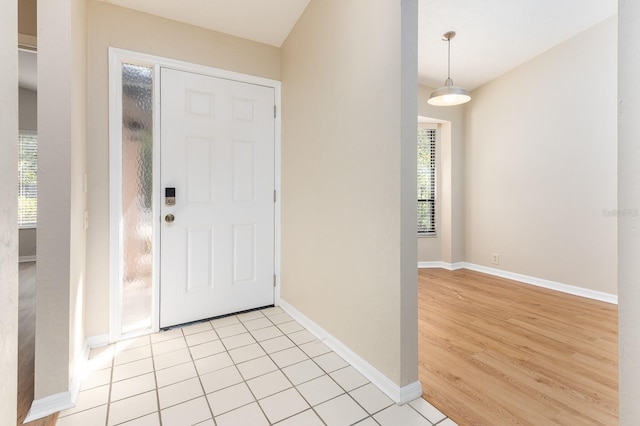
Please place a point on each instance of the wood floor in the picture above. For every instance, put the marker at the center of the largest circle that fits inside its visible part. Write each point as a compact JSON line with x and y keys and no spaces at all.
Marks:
{"x":497,"y":352}
{"x":26,"y":344}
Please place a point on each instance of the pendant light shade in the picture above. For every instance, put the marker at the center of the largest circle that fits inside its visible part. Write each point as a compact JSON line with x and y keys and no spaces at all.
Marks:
{"x":449,"y":94}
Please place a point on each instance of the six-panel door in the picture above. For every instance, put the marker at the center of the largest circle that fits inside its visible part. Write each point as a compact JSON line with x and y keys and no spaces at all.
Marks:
{"x":217,"y":151}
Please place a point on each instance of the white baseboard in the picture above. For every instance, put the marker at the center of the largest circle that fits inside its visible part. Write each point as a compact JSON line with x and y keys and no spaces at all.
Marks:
{"x":443,"y":265}
{"x":434,"y":264}
{"x":400,"y":395}
{"x":526,"y":279}
{"x":410,"y":392}
{"x":98,"y":341}
{"x":23,"y":259}
{"x":64,"y":400}
{"x":51,"y":404}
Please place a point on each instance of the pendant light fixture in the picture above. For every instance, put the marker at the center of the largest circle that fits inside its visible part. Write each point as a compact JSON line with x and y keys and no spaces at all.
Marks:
{"x":449,"y":94}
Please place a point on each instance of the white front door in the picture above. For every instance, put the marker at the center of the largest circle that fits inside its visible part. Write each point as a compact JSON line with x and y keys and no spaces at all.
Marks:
{"x":217,"y":152}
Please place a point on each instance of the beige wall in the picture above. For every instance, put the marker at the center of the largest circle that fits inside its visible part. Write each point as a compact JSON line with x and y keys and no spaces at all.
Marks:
{"x":61,"y":199}
{"x":346,"y":236}
{"x":8,"y":211}
{"x":28,"y":119}
{"x":629,"y":198}
{"x":541,"y":165}
{"x":448,"y":246}
{"x":124,"y":28}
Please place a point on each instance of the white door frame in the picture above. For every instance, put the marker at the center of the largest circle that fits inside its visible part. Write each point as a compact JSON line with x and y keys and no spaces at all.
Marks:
{"x":116,"y":58}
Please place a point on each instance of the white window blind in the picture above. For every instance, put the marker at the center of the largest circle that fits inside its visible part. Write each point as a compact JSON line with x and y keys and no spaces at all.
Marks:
{"x":27,"y":179}
{"x":426,"y":181}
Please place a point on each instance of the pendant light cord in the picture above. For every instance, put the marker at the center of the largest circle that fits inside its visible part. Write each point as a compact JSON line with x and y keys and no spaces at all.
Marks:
{"x":448,"y":57}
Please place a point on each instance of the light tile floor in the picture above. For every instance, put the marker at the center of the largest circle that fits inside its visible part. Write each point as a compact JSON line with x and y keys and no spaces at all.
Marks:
{"x":252,"y":369}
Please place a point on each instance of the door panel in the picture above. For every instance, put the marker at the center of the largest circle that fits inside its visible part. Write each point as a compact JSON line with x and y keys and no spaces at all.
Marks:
{"x":244,"y":257}
{"x":217,"y":151}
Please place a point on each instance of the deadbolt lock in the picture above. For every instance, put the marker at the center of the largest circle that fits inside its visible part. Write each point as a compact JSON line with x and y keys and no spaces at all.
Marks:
{"x":169,"y":218}
{"x":170,"y":196}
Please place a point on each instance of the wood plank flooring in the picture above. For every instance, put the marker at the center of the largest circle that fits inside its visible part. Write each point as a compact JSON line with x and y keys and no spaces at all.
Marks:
{"x":27,"y":344}
{"x":498,"y":352}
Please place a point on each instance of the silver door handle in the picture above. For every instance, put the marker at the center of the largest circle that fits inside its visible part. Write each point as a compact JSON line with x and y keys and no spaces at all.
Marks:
{"x":169,"y":218}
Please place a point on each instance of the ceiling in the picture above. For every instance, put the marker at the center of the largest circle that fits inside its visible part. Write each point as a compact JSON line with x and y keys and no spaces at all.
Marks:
{"x":264,"y":21}
{"x":493,"y":36}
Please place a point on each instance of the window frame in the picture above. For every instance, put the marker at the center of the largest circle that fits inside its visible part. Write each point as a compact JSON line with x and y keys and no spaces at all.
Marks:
{"x":433,"y":232}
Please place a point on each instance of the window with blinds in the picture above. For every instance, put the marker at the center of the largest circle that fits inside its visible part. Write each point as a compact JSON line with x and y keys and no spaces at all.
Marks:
{"x":426,"y":181}
{"x":27,"y":179}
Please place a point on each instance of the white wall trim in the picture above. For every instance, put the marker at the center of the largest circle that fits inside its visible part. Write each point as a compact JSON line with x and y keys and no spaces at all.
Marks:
{"x":115,"y":193}
{"x":443,"y":265}
{"x":552,"y":285}
{"x":23,"y":259}
{"x":278,"y":188}
{"x":434,"y":264}
{"x":51,"y":404}
{"x":410,"y":392}
{"x":64,"y":400}
{"x":98,"y":341}
{"x":526,"y":279}
{"x":457,"y":265}
{"x":400,"y":395}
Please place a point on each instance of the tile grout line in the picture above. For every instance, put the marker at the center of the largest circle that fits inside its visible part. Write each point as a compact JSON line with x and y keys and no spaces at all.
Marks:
{"x":113,"y":360}
{"x":312,"y":407}
{"x":325,"y":373}
{"x":142,"y":393}
{"x":204,"y":392}
{"x":268,"y":355}
{"x":257,"y":401}
{"x":288,"y":379}
{"x":174,"y":383}
{"x":340,"y":386}
{"x":155,"y":378}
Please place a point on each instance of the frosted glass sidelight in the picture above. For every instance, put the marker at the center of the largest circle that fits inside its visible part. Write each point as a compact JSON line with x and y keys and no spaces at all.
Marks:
{"x":137,"y":197}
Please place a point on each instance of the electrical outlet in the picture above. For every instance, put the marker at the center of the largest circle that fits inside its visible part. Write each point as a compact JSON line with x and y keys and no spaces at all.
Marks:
{"x":495,"y":258}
